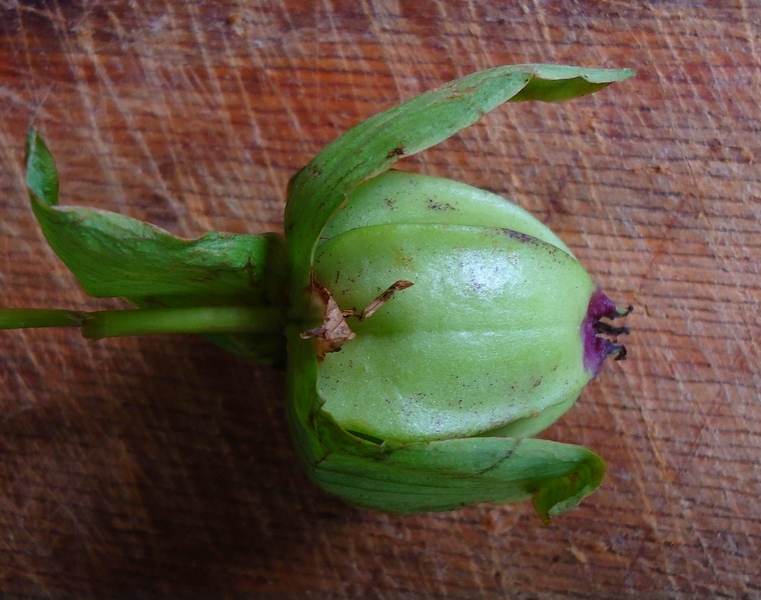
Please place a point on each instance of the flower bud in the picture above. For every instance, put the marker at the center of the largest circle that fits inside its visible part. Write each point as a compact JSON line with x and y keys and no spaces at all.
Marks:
{"x":434,"y":326}
{"x":494,"y":336}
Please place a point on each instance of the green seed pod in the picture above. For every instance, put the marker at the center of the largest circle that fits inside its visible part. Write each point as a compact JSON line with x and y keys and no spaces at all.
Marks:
{"x":489,"y":336}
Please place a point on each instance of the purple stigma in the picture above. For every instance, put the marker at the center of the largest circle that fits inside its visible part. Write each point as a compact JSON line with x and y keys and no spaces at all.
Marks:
{"x":596,"y":348}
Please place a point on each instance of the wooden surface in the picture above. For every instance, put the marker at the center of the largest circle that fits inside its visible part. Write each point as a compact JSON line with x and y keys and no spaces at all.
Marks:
{"x":164,"y":466}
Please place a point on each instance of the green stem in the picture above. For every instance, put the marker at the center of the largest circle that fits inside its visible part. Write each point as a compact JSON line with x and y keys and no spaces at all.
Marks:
{"x":115,"y":323}
{"x":23,"y":318}
{"x":213,"y":319}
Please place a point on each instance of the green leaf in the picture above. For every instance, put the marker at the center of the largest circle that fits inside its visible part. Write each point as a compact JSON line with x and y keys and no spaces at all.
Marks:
{"x":450,"y":474}
{"x":113,"y":255}
{"x":116,"y":256}
{"x":41,"y":174}
{"x":373,"y":146}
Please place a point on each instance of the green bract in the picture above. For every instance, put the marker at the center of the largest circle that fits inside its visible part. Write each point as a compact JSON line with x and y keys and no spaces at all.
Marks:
{"x":430,"y":328}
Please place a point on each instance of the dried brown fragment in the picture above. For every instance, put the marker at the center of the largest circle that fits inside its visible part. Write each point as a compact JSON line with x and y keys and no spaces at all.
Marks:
{"x":370,"y":309}
{"x":334,"y":331}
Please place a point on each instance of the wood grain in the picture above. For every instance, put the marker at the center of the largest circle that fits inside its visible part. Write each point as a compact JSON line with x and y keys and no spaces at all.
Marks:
{"x":163,"y":466}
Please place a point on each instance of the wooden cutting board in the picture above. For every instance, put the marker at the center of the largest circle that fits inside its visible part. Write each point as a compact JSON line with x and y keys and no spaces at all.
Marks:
{"x":163,"y":465}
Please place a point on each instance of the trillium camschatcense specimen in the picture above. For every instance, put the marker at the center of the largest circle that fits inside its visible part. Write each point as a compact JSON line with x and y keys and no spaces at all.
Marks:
{"x":429,"y":329}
